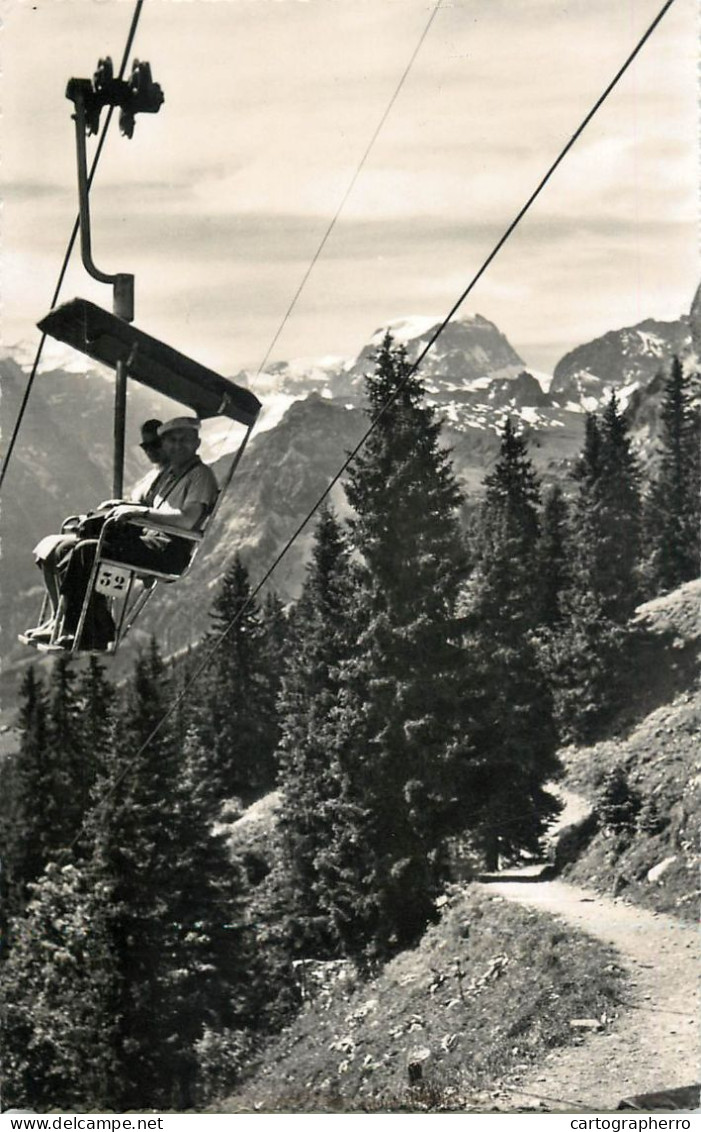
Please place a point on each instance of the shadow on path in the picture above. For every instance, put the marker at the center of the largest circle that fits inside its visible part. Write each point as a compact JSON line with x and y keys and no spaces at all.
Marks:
{"x":532,"y":874}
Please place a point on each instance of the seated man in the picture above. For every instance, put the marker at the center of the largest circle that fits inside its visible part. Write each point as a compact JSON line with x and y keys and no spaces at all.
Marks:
{"x":185,"y":494}
{"x":50,"y":552}
{"x":145,"y":490}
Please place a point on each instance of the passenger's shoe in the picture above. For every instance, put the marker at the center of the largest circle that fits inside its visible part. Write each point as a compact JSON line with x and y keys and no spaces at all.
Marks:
{"x":63,"y":644}
{"x":41,"y":633}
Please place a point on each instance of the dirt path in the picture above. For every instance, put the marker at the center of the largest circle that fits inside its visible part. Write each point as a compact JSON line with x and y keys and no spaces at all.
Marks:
{"x":652,"y":1045}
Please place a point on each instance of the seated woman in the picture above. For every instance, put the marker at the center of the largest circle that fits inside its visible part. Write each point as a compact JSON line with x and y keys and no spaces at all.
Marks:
{"x":185,"y":494}
{"x":52,"y":551}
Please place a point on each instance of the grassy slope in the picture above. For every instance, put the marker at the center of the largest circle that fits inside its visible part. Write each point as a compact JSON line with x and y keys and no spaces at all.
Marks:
{"x":350,"y":1047}
{"x":660,"y":753}
{"x":661,"y":761}
{"x":490,"y":989}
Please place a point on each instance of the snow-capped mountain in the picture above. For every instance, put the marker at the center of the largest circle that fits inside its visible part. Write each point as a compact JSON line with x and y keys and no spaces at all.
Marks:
{"x":283,"y":383}
{"x":475,"y":378}
{"x":625,"y":360}
{"x":313,"y":413}
{"x":471,"y":373}
{"x":469,"y":352}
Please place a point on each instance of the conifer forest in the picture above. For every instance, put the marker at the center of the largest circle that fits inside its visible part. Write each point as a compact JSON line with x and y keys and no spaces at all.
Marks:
{"x":408,"y":707}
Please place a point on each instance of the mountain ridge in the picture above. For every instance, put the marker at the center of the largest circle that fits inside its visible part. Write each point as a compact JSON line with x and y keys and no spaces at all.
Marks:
{"x":473,"y":377}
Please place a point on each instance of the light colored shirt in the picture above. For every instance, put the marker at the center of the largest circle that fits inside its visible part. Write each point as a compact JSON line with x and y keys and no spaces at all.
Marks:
{"x":142,"y":492}
{"x":177,"y":489}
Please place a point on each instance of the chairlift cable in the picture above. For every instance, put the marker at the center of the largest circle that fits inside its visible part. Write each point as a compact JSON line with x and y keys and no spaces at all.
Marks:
{"x":344,"y":200}
{"x":350,"y":187}
{"x":381,"y":413}
{"x":71,"y":245}
{"x":539,"y":188}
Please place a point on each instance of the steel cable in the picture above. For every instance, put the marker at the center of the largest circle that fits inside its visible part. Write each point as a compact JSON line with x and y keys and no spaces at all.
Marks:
{"x":204,"y":664}
{"x":69,"y":249}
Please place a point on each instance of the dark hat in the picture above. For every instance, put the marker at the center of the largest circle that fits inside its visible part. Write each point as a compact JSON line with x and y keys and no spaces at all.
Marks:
{"x":149,"y":433}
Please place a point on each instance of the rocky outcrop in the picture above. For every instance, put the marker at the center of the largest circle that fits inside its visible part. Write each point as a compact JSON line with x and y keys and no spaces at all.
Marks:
{"x":631,"y":356}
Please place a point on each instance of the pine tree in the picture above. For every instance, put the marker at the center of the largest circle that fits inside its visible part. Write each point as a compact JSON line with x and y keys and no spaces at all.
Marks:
{"x":73,"y":768}
{"x":275,"y":631}
{"x":273,"y":656}
{"x":553,"y":555}
{"x":321,"y":641}
{"x":510,"y":529}
{"x":175,"y":923}
{"x":405,"y":496}
{"x":589,"y":464}
{"x":97,"y":703}
{"x":57,"y":997}
{"x":585,"y":658}
{"x":618,"y":803}
{"x":236,"y":727}
{"x":512,"y":726}
{"x":132,"y":831}
{"x":214,"y":979}
{"x":396,"y":720}
{"x":127,"y":956}
{"x":29,"y":806}
{"x":607,"y":516}
{"x":182,"y":669}
{"x":65,"y":735}
{"x":673,"y":504}
{"x":586,"y":652}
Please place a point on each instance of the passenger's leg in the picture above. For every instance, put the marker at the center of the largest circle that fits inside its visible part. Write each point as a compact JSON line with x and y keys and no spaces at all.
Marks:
{"x":125,"y":544}
{"x":53,"y":565}
{"x":98,"y":627}
{"x":50,"y":553}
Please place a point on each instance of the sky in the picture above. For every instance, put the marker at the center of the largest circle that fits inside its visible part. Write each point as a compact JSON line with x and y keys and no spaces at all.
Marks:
{"x":219,"y":202}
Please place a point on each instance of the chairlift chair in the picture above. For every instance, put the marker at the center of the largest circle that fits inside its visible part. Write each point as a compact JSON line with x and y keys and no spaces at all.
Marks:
{"x":116,"y":343}
{"x":112,"y":340}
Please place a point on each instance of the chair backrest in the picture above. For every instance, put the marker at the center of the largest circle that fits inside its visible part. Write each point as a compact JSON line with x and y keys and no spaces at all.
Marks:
{"x":206,"y":522}
{"x":224,"y":487}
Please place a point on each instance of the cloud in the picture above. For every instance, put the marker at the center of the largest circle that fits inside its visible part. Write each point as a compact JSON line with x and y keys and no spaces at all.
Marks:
{"x":32,"y":192}
{"x":219,"y":202}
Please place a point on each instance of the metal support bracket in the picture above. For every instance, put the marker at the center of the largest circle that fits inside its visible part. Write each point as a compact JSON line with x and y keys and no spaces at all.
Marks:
{"x":122,"y":283}
{"x":139,"y":95}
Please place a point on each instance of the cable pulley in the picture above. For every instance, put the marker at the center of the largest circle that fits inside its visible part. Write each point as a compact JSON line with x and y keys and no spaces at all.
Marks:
{"x":137,"y":95}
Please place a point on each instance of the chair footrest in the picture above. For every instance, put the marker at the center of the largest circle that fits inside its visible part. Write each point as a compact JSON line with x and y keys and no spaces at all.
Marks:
{"x":110,"y":648}
{"x":140,"y":571}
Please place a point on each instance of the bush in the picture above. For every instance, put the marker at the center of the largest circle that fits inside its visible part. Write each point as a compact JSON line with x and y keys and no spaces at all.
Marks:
{"x":618,"y":803}
{"x":222,"y":1056}
{"x":651,"y":820}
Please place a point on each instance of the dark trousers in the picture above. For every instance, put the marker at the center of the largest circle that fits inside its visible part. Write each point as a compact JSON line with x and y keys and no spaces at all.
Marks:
{"x":121,"y":544}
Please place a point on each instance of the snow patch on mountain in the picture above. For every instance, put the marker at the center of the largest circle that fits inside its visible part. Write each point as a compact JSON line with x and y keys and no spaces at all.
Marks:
{"x":274,"y":409}
{"x":625,"y":393}
{"x":296,"y":377}
{"x":406,"y":329}
{"x":544,"y":380}
{"x":530,"y":415}
{"x":54,"y":356}
{"x":652,"y":343}
{"x":313,"y":369}
{"x":619,"y":358}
